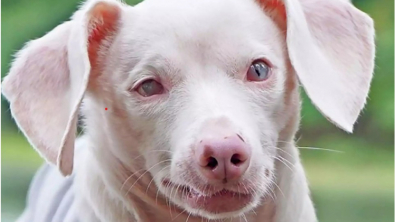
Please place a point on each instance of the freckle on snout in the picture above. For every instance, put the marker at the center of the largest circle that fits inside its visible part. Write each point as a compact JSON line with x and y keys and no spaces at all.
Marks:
{"x":240,"y":137}
{"x":267,"y":172}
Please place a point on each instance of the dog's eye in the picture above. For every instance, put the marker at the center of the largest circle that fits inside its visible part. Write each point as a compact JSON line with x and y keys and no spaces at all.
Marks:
{"x":150,"y":87}
{"x":258,"y":71}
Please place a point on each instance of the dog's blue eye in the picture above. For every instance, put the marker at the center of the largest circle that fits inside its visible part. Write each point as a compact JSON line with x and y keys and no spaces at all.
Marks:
{"x":258,"y":71}
{"x":150,"y":87}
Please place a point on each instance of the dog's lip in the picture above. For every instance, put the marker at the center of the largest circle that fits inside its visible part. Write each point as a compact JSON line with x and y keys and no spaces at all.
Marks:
{"x":218,"y":201}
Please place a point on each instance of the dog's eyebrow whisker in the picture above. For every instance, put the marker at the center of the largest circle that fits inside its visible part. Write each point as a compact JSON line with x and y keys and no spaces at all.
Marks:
{"x":323,"y":149}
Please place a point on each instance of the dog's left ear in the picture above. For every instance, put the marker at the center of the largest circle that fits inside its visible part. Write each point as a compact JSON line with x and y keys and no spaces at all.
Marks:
{"x":50,"y":75}
{"x":331,"y":47}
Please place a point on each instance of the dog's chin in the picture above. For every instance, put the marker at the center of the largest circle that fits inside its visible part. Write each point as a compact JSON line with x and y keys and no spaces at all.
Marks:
{"x":226,"y":208}
{"x":216,"y":205}
{"x":221,"y":215}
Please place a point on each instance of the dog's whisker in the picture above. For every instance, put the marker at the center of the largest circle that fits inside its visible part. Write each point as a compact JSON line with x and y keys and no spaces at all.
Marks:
{"x":149,"y":184}
{"x":254,"y":212}
{"x":323,"y":149}
{"x":285,"y":152}
{"x":188,"y":217}
{"x":311,"y":148}
{"x":285,"y":164}
{"x":244,"y":217}
{"x":288,"y":161}
{"x":253,"y":189}
{"x":275,"y":184}
{"x":177,"y":191}
{"x":287,"y":142}
{"x":170,"y":196}
{"x":272,"y":193}
{"x":179,"y":214}
{"x":150,"y":151}
{"x":129,"y":177}
{"x":163,"y":161}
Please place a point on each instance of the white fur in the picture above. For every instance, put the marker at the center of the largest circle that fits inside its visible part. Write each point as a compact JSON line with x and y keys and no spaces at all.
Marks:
{"x":201,"y":51}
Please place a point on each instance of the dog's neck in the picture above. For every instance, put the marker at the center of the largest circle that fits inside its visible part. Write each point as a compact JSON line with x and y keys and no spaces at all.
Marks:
{"x":124,"y":190}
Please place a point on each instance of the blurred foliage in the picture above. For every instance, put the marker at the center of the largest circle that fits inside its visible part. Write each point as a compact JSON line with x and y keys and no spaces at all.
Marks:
{"x":356,"y":185}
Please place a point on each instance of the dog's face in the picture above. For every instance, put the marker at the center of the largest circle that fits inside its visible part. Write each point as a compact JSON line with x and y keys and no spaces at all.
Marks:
{"x":204,"y":85}
{"x":204,"y":98}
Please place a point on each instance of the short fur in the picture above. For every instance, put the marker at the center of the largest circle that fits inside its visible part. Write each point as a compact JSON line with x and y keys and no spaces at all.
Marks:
{"x":200,"y":50}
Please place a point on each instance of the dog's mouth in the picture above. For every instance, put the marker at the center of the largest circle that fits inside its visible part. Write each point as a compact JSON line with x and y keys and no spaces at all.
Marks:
{"x":218,"y":201}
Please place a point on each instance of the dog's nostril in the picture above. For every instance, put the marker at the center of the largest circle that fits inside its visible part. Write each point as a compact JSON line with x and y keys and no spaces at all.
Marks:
{"x":212,"y":163}
{"x":236,"y":160}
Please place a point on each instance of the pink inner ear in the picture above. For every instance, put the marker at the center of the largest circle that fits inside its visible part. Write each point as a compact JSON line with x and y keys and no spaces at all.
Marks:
{"x":103,"y":23}
{"x":276,"y":6}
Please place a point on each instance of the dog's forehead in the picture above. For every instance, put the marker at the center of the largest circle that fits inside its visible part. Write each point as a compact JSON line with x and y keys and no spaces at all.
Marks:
{"x":188,"y":30}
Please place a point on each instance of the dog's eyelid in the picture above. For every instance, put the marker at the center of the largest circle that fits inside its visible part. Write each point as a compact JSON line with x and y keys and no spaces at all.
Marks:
{"x":266,"y":59}
{"x":144,"y":71}
{"x":138,"y":82}
{"x":138,"y":75}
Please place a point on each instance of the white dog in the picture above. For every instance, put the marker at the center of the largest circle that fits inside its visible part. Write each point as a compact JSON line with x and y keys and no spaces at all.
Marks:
{"x":190,"y":106}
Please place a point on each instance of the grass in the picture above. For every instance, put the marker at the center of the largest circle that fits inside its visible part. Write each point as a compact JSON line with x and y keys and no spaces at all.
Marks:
{"x":360,"y":190}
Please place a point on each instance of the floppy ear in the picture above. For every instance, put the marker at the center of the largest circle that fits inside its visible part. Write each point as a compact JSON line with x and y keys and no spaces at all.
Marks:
{"x":50,"y":75}
{"x":331,"y":47}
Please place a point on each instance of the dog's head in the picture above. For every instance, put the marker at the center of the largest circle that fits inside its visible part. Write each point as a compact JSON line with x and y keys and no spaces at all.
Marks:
{"x":207,"y":86}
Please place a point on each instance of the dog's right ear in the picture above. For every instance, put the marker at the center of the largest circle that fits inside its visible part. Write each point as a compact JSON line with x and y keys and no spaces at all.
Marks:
{"x":331,"y":47}
{"x":49,"y":77}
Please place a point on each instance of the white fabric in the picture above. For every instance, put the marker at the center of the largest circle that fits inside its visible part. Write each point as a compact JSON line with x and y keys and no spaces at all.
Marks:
{"x":50,"y":197}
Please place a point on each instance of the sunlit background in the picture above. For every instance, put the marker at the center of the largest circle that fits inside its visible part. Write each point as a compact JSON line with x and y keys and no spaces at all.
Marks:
{"x":354,"y":185}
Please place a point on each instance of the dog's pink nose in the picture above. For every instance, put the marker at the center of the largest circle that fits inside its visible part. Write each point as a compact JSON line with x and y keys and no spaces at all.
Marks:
{"x":224,"y":159}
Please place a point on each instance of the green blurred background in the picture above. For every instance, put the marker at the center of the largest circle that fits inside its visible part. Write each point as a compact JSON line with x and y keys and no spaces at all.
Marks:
{"x":355,"y":185}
